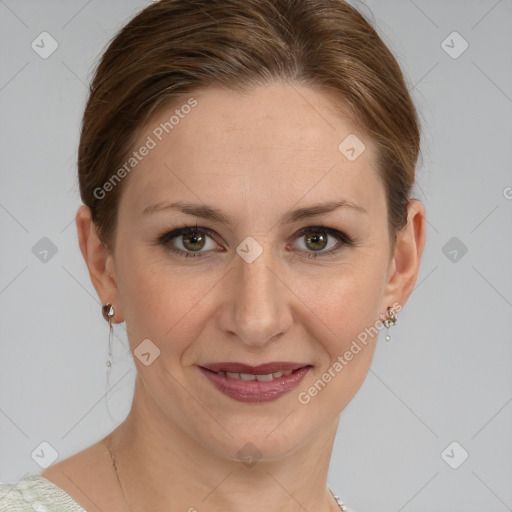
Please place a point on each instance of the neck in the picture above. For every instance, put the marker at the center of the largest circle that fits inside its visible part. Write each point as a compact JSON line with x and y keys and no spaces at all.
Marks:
{"x":163,"y":468}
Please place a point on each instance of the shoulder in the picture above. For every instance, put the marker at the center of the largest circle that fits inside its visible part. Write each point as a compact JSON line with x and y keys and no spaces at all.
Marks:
{"x":78,"y":483}
{"x":39,"y":494}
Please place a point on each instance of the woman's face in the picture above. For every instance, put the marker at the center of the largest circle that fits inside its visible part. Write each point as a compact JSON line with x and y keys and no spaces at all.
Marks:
{"x":273,"y":282}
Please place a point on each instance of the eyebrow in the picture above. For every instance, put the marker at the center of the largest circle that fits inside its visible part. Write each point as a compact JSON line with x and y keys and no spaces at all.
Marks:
{"x":208,"y":212}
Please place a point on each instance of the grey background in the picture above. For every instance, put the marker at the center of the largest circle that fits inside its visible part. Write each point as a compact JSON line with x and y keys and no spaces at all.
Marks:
{"x":446,"y":375}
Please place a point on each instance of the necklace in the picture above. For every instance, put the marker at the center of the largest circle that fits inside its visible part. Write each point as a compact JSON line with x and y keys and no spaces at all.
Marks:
{"x":342,"y":506}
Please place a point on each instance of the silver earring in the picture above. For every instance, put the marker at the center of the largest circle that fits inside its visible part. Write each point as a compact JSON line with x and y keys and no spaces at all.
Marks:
{"x":389,"y":321}
{"x":108,"y":313}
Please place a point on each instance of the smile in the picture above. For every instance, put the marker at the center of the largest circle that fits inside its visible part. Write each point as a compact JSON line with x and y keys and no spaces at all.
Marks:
{"x":251,"y":387}
{"x":261,"y":378}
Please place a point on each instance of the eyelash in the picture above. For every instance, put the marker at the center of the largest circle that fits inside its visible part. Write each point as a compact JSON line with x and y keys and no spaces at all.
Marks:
{"x":343,"y":240}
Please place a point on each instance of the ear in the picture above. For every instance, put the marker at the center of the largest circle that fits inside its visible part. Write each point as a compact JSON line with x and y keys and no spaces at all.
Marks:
{"x":405,"y":263}
{"x":100,"y":262}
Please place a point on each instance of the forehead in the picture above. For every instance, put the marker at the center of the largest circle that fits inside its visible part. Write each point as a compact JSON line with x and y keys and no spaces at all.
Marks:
{"x":272,"y":140}
{"x":280,"y":117}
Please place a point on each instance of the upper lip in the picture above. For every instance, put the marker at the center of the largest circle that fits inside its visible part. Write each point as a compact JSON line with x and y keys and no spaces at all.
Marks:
{"x":262,"y":369}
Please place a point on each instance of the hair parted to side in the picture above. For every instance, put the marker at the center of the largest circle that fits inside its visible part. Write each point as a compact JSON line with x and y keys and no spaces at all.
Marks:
{"x":174,"y":47}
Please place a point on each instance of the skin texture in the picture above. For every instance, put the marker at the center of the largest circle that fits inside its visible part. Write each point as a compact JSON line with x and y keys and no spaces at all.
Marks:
{"x":256,"y":157}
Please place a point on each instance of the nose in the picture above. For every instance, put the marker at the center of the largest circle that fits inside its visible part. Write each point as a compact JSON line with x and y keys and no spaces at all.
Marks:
{"x":257,"y":309}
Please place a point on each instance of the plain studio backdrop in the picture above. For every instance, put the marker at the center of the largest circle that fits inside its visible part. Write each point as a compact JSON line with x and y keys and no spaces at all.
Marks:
{"x":430,"y":428}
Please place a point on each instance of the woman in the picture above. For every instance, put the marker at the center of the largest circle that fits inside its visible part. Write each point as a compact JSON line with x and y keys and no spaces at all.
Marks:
{"x":246,"y":169}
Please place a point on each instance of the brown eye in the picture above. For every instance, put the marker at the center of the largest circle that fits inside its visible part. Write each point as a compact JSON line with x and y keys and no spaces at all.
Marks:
{"x":189,"y":241}
{"x":193,"y":241}
{"x":316,"y":241}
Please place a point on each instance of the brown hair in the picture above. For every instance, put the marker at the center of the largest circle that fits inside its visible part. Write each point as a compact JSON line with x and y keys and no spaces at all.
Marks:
{"x":174,"y":47}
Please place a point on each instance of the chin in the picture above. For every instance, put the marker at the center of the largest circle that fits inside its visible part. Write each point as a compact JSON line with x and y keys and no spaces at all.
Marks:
{"x":262,"y":435}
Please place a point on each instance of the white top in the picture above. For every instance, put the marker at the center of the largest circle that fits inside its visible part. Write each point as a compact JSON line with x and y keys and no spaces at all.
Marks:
{"x":35,"y":493}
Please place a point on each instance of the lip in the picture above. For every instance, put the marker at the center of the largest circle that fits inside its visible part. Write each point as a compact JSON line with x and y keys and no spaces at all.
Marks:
{"x":261,"y":369}
{"x":254,"y":390}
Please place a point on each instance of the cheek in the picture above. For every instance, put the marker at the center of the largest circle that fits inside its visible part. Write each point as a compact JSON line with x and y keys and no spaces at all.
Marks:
{"x":347,"y":303}
{"x":345,"y":298}
{"x":348,"y":308}
{"x":171,"y":304}
{"x":159,"y":301}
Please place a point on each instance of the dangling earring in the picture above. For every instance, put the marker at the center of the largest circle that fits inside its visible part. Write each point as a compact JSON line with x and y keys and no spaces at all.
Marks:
{"x":108,"y":312}
{"x":389,"y":321}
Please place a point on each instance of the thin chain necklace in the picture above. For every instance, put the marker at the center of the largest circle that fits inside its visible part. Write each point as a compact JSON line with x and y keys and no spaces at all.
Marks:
{"x":342,"y":506}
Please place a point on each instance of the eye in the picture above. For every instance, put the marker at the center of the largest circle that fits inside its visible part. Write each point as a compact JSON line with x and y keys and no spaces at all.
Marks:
{"x":188,"y":240}
{"x":193,"y":241}
{"x":317,"y":238}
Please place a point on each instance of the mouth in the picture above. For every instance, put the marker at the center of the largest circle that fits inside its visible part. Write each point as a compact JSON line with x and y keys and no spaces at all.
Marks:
{"x":262,"y":383}
{"x":262,"y":373}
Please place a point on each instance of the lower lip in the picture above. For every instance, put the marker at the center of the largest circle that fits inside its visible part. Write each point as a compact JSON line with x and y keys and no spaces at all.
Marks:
{"x":254,"y":390}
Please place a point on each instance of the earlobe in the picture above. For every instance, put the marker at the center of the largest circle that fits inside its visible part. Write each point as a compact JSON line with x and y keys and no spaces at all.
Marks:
{"x":98,"y":260}
{"x":407,"y":255}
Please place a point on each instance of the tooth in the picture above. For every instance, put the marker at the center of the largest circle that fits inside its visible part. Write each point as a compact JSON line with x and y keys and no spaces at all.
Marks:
{"x":247,"y":376}
{"x":263,"y":378}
